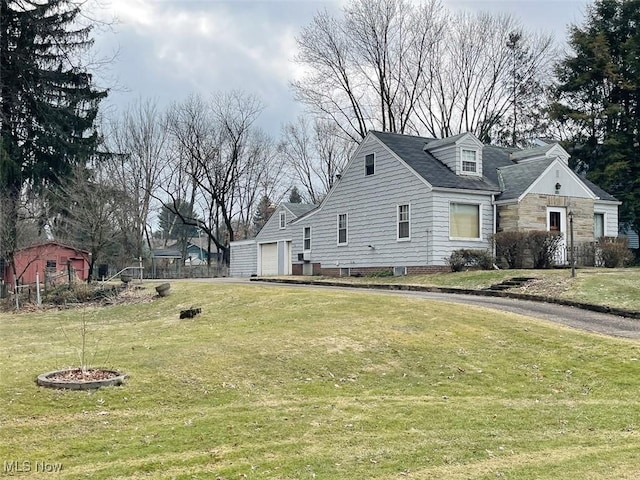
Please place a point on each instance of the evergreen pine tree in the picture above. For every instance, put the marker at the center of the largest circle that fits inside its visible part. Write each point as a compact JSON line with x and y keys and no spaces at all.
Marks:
{"x":598,"y":100}
{"x":294,"y":196}
{"x":263,"y":213}
{"x":48,"y":103}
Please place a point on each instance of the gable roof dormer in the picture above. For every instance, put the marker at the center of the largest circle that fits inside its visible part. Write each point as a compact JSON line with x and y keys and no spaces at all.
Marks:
{"x":461,"y":153}
{"x":551,"y":150}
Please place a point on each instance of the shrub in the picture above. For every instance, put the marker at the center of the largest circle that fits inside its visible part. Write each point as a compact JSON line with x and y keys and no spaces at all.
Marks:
{"x":465,"y":258}
{"x":511,"y":246}
{"x":543,"y":247}
{"x":381,"y":274}
{"x":613,"y":252}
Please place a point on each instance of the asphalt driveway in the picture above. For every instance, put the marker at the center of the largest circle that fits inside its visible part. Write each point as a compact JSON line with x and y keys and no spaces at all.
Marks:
{"x":603,"y":323}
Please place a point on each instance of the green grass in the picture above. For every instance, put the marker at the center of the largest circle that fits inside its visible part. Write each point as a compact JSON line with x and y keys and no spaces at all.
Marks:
{"x":601,"y":286}
{"x":290,"y":383}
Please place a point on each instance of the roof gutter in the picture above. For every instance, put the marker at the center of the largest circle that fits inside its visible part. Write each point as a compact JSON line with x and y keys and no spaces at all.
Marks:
{"x":463,"y":190}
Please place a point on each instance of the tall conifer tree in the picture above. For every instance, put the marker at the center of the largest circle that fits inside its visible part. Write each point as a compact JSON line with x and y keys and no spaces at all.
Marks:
{"x":598,"y":99}
{"x":48,"y":101}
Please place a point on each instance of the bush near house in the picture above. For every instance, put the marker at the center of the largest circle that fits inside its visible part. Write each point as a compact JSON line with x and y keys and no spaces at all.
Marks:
{"x":466,"y":258}
{"x":536,"y":248}
{"x":614,"y":252}
{"x":512,"y":247}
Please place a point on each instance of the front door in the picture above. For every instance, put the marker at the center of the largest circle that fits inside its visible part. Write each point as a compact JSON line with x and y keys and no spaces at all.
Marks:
{"x":557,"y":222}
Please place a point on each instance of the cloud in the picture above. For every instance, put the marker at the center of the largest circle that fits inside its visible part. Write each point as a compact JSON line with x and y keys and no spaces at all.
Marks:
{"x":170,"y":49}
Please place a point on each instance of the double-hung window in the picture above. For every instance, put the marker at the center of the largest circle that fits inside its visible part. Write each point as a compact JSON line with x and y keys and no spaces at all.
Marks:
{"x":369,"y":164}
{"x":306,"y":238}
{"x":464,"y":220}
{"x":283,"y":220}
{"x":469,"y":161}
{"x":598,"y":226}
{"x":404,"y":225}
{"x":342,"y":229}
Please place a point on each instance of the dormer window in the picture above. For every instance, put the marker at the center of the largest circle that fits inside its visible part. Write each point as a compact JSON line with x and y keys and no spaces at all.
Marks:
{"x":369,"y":164}
{"x":469,"y":161}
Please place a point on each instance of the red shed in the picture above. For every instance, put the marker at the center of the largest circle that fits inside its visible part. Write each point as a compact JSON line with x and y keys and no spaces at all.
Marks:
{"x":52,"y":258}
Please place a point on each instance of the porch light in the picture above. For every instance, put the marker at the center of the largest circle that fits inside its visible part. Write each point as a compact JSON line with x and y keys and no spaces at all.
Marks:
{"x":558,"y":186}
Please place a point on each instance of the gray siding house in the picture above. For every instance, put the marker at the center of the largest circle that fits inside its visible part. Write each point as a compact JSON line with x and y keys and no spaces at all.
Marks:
{"x":405,"y":203}
{"x":270,"y":253}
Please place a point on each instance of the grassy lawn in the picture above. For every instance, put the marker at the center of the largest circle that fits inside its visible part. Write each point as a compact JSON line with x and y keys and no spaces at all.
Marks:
{"x":602,"y":286}
{"x":291,"y":383}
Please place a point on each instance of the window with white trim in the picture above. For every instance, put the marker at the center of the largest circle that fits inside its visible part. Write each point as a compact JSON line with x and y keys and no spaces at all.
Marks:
{"x":598,"y":225}
{"x":342,"y":229}
{"x":469,"y":161}
{"x":369,"y":164}
{"x":404,"y":225}
{"x":464,"y":220}
{"x":283,"y":220}
{"x":306,"y":238}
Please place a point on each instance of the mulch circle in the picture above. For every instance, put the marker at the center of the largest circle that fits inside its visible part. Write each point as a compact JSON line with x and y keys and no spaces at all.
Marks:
{"x":81,"y":379}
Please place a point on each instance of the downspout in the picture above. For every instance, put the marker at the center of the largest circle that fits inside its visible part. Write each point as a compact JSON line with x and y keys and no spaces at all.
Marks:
{"x":495,"y":224}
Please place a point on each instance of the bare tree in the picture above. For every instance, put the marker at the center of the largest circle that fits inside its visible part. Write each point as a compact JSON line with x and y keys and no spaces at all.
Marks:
{"x":409,"y":67}
{"x":262,"y":176}
{"x":315,"y":153}
{"x":364,"y":69}
{"x":138,"y":142}
{"x":220,"y":160}
{"x":83,"y":211}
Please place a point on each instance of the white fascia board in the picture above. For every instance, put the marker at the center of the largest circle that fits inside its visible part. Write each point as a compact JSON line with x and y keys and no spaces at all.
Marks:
{"x":559,"y":152}
{"x":242,"y":242}
{"x":607,"y":202}
{"x":559,"y":163}
{"x":274,"y":241}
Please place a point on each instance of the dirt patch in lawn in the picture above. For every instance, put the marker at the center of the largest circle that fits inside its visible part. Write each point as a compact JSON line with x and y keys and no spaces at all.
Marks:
{"x":550,"y":286}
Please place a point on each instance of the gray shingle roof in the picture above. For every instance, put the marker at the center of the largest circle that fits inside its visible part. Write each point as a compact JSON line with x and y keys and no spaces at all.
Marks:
{"x":433,"y":143}
{"x":500,"y":171}
{"x":410,"y":148}
{"x":516,"y":178}
{"x":299,"y":209}
{"x":531,"y":152}
{"x":600,"y":193}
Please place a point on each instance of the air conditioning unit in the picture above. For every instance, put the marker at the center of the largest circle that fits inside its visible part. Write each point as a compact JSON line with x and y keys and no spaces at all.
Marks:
{"x":306,"y":256}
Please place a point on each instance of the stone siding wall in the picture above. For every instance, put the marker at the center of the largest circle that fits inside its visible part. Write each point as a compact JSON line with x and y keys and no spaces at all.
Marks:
{"x":531,"y":214}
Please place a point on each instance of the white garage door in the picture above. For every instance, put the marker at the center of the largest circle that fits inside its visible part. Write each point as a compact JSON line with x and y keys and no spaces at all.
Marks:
{"x":269,"y":259}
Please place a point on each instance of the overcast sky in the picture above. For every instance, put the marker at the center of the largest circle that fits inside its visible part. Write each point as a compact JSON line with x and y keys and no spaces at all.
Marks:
{"x":168,"y":49}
